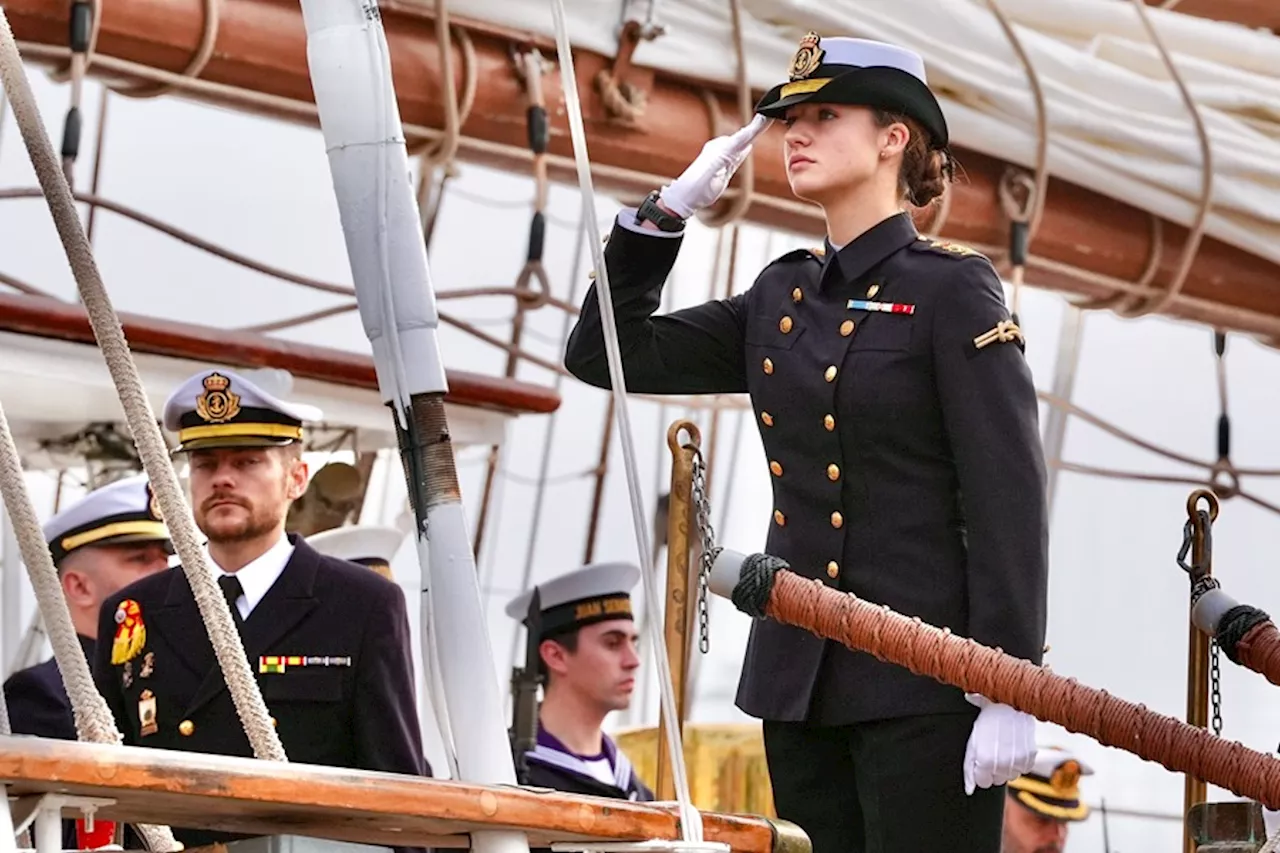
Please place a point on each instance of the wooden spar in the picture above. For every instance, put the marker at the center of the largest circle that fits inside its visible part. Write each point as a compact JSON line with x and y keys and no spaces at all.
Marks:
{"x":1249,"y":13}
{"x":245,"y":795}
{"x":261,"y":47}
{"x":67,"y":321}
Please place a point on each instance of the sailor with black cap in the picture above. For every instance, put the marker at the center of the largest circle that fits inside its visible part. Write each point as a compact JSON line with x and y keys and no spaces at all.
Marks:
{"x":328,"y":639}
{"x":900,"y":424}
{"x":587,"y":643}
{"x":1044,"y":802}
{"x":109,"y":538}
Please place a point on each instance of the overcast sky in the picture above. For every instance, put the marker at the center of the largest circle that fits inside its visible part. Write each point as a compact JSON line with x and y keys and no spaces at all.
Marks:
{"x":1118,"y":602}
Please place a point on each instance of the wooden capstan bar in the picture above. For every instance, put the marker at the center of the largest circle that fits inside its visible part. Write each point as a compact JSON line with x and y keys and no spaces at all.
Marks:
{"x":250,"y":796}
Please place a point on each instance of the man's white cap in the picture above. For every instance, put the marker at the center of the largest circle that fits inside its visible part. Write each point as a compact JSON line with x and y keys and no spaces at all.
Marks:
{"x":220,"y":408}
{"x":123,"y":511}
{"x":369,"y":545}
{"x":594,"y":593}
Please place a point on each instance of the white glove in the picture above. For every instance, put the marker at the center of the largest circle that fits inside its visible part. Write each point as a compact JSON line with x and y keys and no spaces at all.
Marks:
{"x":1002,"y":745}
{"x":1271,"y":820}
{"x":707,"y":176}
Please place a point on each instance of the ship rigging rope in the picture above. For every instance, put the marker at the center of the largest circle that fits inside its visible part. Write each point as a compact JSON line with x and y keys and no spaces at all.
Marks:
{"x":93,"y":720}
{"x":1210,"y":313}
{"x":690,"y":820}
{"x":150,"y":443}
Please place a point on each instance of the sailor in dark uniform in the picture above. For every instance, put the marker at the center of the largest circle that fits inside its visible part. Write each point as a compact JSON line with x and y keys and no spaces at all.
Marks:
{"x":327,"y":639}
{"x":589,"y":657}
{"x":99,"y":544}
{"x":899,"y":420}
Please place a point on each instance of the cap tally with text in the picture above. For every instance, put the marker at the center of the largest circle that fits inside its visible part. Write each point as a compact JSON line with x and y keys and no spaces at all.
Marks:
{"x":219,"y":408}
{"x":1052,"y":787}
{"x":595,"y":593}
{"x":859,"y":72}
{"x":120,"y":512}
{"x":369,"y":545}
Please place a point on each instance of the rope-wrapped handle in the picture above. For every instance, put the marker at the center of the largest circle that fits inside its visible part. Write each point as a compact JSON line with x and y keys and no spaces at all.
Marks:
{"x":964,"y":663}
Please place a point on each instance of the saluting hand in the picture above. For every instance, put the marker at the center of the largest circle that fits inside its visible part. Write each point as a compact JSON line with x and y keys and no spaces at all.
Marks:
{"x":706,"y":178}
{"x":1002,"y":745}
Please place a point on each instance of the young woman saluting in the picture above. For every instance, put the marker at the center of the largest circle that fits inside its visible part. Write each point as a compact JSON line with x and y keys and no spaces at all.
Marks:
{"x":899,"y":419}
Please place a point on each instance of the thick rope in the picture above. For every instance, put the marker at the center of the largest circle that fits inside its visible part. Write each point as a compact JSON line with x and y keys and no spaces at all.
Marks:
{"x":1258,"y":648}
{"x":93,"y":718}
{"x":690,"y":819}
{"x":964,"y":663}
{"x":142,"y":421}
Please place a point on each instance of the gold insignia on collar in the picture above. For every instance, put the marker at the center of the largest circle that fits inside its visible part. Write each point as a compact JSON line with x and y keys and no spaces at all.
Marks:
{"x":820,"y":251}
{"x":217,"y":405}
{"x":808,"y":57}
{"x":1004,"y":332}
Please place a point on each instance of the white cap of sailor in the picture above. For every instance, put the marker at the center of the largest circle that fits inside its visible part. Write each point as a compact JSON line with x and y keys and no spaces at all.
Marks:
{"x":594,"y":593}
{"x":367,"y":544}
{"x":220,"y":408}
{"x":119,"y":512}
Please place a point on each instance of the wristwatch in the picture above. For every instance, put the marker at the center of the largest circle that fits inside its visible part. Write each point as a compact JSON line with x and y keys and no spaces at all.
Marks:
{"x":650,"y":211}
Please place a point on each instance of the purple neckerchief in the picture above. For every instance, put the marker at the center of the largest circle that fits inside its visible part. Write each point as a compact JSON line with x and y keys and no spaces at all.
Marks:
{"x":550,"y":750}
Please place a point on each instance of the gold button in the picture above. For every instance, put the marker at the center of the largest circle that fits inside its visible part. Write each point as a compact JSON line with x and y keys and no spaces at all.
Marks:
{"x":837,"y":520}
{"x":273,"y":722}
{"x":833,"y":472}
{"x":592,"y":275}
{"x":768,"y":365}
{"x":833,"y":569}
{"x":776,"y":469}
{"x":186,"y":727}
{"x":846,"y":328}
{"x":872,"y":291}
{"x":766,"y":418}
{"x":829,"y":422}
{"x":797,"y":295}
{"x":784,"y":325}
{"x":779,"y":517}
{"x":830,"y":373}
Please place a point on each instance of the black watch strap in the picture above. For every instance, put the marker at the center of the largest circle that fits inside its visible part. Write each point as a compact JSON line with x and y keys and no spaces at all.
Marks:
{"x":649,"y":211}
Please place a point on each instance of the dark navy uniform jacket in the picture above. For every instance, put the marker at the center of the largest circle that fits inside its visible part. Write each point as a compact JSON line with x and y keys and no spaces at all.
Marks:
{"x":362,"y":715}
{"x":906,"y":460}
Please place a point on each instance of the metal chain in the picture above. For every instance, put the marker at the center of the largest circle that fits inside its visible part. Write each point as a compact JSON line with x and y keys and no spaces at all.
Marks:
{"x":707,"y":537}
{"x":1215,"y":688}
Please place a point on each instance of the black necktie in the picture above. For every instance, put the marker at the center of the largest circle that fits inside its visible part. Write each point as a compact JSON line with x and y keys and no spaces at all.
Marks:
{"x":231,"y":590}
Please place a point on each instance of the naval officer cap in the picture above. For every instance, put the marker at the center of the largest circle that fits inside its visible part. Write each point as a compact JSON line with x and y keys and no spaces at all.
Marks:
{"x":595,"y":593}
{"x":367,"y":544}
{"x":219,"y":408}
{"x":1052,"y":787}
{"x":118,"y":513}
{"x":858,"y":72}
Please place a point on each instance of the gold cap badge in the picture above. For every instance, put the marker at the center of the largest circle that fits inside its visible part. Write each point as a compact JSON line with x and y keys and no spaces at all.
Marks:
{"x":153,"y":504}
{"x":217,"y":405}
{"x":1066,"y":776}
{"x":808,"y":57}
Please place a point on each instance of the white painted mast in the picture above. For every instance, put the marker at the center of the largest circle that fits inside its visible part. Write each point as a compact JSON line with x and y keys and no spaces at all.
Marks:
{"x":355,"y":95}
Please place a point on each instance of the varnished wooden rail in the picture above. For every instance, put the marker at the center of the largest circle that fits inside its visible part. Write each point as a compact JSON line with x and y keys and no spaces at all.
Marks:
{"x":245,"y":795}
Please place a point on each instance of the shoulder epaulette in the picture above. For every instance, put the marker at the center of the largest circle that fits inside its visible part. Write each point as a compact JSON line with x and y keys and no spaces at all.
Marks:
{"x":947,"y":248}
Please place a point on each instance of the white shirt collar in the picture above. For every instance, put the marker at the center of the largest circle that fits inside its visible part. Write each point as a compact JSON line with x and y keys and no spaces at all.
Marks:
{"x":258,"y":576}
